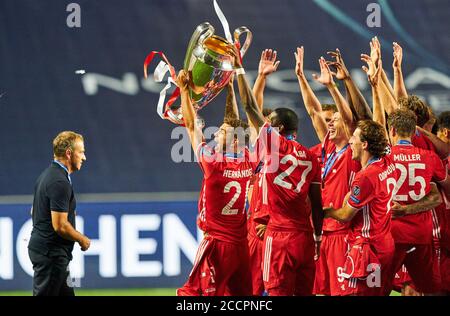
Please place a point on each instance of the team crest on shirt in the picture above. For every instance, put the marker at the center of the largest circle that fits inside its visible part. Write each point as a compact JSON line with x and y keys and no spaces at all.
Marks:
{"x":356,"y":190}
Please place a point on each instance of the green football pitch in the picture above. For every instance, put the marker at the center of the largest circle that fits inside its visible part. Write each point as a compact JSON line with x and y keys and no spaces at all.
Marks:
{"x":116,"y":292}
{"x":105,"y":292}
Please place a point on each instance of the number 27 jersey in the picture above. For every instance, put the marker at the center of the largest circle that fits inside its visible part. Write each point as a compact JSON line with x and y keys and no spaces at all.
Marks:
{"x":289,"y":170}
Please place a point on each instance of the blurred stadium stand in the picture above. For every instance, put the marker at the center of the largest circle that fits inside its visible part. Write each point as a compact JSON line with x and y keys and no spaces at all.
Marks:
{"x":128,"y":145}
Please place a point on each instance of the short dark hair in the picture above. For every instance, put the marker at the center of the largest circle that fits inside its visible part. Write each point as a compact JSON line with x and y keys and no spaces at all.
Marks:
{"x":404,"y":121}
{"x":415,"y":104}
{"x":374,"y":134}
{"x":443,"y":120}
{"x":329,"y":107}
{"x":266,"y":112}
{"x":288,"y":119}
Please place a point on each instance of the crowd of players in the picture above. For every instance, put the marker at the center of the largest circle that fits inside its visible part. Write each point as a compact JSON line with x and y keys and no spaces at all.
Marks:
{"x":364,"y":212}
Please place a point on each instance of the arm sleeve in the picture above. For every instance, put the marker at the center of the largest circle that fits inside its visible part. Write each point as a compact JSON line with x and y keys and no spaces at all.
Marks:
{"x":361,"y":192}
{"x":263,"y":142}
{"x":59,"y":193}
{"x":206,"y":158}
{"x":439,"y":172}
{"x":316,"y":172}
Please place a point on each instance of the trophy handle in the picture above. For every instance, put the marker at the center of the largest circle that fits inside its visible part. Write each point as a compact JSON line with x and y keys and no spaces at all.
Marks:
{"x":248,"y":39}
{"x":201,"y":33}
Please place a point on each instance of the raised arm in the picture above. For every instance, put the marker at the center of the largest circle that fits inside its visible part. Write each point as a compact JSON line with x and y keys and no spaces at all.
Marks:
{"x":326,"y":78}
{"x":267,"y":65}
{"x":375,"y":55}
{"x":374,"y":77}
{"x":385,"y":95}
{"x":189,"y":115}
{"x":248,"y":100}
{"x":399,"y":84}
{"x":312,"y":104}
{"x":355,"y":99}
{"x":231,"y":108}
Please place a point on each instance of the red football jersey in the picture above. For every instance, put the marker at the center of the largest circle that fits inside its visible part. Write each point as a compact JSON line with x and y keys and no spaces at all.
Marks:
{"x":226,"y":180}
{"x":289,"y":170}
{"x":316,"y":150}
{"x":371,"y":193}
{"x":257,"y":215}
{"x":441,"y":221}
{"x":338,"y":172}
{"x":417,"y":167}
{"x":421,"y":141}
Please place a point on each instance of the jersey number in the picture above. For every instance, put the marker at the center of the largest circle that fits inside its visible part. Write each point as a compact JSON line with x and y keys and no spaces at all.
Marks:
{"x":412,"y":180}
{"x":228,"y":209}
{"x":279,"y":180}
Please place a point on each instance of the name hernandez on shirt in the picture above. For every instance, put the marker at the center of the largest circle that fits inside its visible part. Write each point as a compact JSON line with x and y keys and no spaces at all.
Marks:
{"x":237,"y":174}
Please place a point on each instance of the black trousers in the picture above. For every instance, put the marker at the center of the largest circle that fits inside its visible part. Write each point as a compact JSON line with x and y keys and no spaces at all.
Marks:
{"x":51,"y":275}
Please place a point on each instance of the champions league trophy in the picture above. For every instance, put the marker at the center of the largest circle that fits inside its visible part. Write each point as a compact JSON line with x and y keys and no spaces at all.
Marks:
{"x":209,"y":62}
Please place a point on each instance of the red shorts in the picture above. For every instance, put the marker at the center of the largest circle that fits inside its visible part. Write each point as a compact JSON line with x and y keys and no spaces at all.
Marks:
{"x":328,"y":279}
{"x":220,"y":268}
{"x":255,"y":248}
{"x":288,"y":266}
{"x":401,"y":278}
{"x":375,"y":260}
{"x":418,"y":260}
{"x":445,"y":270}
{"x":437,"y":274}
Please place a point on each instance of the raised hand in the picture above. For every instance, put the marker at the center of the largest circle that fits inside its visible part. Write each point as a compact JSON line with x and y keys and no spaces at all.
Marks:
{"x":268,"y":62}
{"x":326,"y":78}
{"x":182,"y":80}
{"x":373,"y":72}
{"x":237,"y":57}
{"x":375,"y":50}
{"x":398,"y":55}
{"x":341,"y":70}
{"x":299,"y":61}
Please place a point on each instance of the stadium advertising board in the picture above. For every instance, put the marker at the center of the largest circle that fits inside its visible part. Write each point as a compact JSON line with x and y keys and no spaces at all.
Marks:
{"x":133,"y":244}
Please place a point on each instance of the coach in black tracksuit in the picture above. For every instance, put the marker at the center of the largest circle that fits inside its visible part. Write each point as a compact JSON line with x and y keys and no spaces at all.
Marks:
{"x":53,"y":236}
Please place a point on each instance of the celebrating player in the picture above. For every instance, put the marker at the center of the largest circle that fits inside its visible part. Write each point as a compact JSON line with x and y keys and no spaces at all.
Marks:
{"x":338,"y":171}
{"x":221,"y":266}
{"x":259,"y":217}
{"x":413,"y":232}
{"x":292,"y":175}
{"x":367,"y":208}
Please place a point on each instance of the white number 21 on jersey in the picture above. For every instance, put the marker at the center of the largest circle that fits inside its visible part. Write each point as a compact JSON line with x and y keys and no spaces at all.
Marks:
{"x":228,"y":209}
